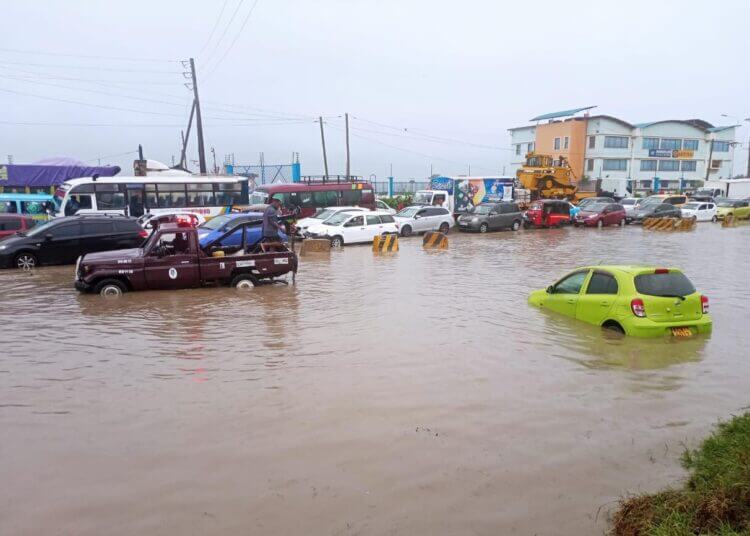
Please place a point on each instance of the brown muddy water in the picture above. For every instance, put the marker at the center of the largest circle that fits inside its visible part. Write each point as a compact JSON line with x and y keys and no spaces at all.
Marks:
{"x":413,"y":394}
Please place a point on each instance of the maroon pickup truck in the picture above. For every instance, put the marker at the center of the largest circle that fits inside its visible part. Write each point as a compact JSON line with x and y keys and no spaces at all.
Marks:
{"x":172,"y":258}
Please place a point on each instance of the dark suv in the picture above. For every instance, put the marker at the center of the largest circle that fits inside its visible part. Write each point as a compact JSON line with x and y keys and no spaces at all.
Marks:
{"x":63,"y":240}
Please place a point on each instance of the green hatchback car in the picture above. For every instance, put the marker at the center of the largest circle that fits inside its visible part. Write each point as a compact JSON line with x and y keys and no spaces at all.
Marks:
{"x":640,"y":301}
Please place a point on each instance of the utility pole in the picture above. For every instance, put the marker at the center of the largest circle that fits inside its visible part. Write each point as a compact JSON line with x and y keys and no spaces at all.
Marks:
{"x":710,"y":156}
{"x":185,"y":138}
{"x":198,"y":120}
{"x":748,"y":152}
{"x":323,"y":141}
{"x":140,"y":152}
{"x":213,"y":153}
{"x":348,"y":170}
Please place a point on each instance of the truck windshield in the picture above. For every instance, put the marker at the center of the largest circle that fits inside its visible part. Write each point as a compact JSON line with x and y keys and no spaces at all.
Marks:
{"x":422,"y":198}
{"x":670,"y":284}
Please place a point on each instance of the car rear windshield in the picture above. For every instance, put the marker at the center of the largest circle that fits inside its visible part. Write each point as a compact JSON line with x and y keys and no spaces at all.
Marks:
{"x":216,"y":223}
{"x":483,"y":209}
{"x":670,"y":284}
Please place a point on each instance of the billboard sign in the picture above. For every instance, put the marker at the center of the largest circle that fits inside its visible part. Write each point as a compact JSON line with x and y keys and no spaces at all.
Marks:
{"x":471,"y":192}
{"x":684,"y":153}
{"x":660,"y":153}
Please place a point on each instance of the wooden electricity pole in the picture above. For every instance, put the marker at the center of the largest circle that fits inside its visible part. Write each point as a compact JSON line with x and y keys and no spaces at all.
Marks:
{"x":323,"y":141}
{"x":348,"y":165}
{"x":198,"y":120}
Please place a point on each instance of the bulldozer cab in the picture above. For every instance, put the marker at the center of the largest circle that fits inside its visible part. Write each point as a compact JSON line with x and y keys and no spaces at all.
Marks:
{"x":538,"y":160}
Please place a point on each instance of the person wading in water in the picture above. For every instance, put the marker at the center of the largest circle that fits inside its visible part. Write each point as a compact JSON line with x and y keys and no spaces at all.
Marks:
{"x":271,"y":222}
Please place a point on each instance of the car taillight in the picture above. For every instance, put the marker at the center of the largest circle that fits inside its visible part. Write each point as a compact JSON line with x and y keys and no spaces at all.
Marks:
{"x":143,"y":233}
{"x":638,"y":308}
{"x":704,"y":304}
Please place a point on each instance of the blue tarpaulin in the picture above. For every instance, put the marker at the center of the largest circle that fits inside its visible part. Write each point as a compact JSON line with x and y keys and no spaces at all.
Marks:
{"x":45,"y":175}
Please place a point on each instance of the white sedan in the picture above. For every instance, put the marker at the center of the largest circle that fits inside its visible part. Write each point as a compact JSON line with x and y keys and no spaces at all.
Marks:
{"x":382,"y":206}
{"x":703,"y":211}
{"x":420,"y":219}
{"x":354,"y":228}
{"x":321,"y":216}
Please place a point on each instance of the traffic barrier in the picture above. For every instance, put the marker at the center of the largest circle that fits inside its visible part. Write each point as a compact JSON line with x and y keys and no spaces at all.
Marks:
{"x":315,"y":245}
{"x":669,"y":224}
{"x":434,"y":240}
{"x":385,"y":243}
{"x":728,"y":221}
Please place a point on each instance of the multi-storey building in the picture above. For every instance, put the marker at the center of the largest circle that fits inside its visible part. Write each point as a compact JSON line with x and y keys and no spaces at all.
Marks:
{"x":661,"y":155}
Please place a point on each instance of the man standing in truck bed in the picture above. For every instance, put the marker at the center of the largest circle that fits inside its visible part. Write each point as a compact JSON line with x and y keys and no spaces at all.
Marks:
{"x":271,"y":221}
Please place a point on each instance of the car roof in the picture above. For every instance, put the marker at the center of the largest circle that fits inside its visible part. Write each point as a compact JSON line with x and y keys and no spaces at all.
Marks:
{"x":630,"y":269}
{"x":304,"y":187}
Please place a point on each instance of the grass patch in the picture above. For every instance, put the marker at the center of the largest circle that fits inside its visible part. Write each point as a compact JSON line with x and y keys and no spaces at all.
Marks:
{"x":714,"y":501}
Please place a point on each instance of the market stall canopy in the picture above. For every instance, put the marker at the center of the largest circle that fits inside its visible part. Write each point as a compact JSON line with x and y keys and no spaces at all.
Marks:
{"x":50,"y":172}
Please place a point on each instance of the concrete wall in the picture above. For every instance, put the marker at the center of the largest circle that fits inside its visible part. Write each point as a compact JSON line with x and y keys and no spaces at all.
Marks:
{"x":520,"y":138}
{"x":575,"y":132}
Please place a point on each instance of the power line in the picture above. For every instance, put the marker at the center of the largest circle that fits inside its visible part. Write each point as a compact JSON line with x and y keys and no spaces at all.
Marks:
{"x":216,"y":25}
{"x":89,"y":68}
{"x":148,"y":125}
{"x":111,"y":156}
{"x":236,"y":37}
{"x":87,"y":56}
{"x":224,"y":33}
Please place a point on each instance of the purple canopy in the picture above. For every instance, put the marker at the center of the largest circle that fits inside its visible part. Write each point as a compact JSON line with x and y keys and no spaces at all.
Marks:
{"x":45,"y":176}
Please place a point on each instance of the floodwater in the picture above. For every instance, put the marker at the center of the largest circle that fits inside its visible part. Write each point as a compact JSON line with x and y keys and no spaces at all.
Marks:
{"x":411,"y":394}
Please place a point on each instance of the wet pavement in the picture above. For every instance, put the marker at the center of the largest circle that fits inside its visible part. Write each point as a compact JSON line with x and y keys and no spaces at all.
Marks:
{"x":410,"y":394}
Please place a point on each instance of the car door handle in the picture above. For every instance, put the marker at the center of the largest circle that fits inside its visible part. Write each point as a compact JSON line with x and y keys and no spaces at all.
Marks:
{"x":605,"y":304}
{"x":571,"y":300}
{"x":184,"y":262}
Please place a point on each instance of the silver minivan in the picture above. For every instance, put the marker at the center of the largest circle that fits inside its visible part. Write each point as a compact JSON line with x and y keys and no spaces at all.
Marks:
{"x":491,"y":217}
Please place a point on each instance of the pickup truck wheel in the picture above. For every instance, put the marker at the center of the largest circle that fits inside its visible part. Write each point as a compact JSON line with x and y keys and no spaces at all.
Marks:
{"x":406,"y":230}
{"x":244,"y":281}
{"x":444,"y":228}
{"x":25,"y":261}
{"x":483,"y":228}
{"x":516,"y":225}
{"x":110,"y":288}
{"x":337,"y":242}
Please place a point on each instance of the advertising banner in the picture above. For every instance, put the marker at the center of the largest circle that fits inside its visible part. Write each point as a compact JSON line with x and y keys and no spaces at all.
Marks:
{"x":683,"y":154}
{"x":471,"y":192}
{"x":443,"y":184}
{"x":660,"y":153}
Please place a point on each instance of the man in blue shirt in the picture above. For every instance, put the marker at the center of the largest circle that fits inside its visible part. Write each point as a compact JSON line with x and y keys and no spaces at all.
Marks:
{"x":271,"y":221}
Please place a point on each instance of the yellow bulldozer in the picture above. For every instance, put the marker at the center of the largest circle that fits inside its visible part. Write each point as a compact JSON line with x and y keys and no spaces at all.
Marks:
{"x":546,"y":178}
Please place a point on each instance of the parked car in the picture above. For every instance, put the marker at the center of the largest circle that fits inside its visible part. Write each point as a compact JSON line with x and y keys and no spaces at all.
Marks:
{"x":601,"y":214}
{"x":354,"y":228}
{"x":148,"y":220}
{"x":225,"y":222}
{"x":382,"y":206}
{"x":63,"y":240}
{"x":420,"y":219}
{"x":635,"y":300}
{"x":212,"y":230}
{"x":322,"y":215}
{"x":491,"y":217}
{"x":738,"y":208}
{"x":672,"y":199}
{"x":547,"y":213}
{"x":630,"y":204}
{"x":11,"y":224}
{"x":654,"y":210}
{"x":701,"y":211}
{"x":583,"y":203}
{"x":173,"y":259}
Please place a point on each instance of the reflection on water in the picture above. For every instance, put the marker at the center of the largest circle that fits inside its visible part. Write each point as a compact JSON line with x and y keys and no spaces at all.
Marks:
{"x":416,"y":393}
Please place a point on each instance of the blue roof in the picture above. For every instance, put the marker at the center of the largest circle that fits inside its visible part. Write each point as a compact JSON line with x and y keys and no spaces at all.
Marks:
{"x":564,"y":113}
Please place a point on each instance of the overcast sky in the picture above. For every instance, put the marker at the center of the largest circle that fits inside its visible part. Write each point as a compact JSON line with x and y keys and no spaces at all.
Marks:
{"x":466,"y":71}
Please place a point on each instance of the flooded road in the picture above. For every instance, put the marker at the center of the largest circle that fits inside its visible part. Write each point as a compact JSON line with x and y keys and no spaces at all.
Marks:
{"x":412,"y":394}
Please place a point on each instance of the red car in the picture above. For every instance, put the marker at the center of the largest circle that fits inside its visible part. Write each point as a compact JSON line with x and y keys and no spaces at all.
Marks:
{"x":11,"y":224}
{"x":547,"y":213}
{"x":601,"y":214}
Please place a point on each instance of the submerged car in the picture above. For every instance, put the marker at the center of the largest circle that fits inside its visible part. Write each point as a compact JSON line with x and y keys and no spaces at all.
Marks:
{"x":653,"y":210}
{"x":738,"y":208}
{"x":490,"y":217}
{"x":600,"y":214}
{"x":640,"y":301}
{"x":547,"y":213}
{"x":701,"y":211}
{"x":322,"y":215}
{"x":420,"y":219}
{"x":354,"y":228}
{"x":212,"y":230}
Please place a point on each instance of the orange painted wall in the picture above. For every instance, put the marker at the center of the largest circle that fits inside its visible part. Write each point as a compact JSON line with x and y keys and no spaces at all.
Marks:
{"x":576,"y":132}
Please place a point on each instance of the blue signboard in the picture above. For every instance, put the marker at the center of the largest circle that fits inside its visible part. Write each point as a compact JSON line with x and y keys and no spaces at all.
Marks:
{"x":444,"y":184}
{"x":660,"y":153}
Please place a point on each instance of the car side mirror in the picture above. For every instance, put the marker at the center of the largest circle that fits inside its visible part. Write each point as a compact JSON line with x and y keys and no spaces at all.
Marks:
{"x":493,"y":213}
{"x":48,"y":237}
{"x":417,"y":216}
{"x":550,"y":289}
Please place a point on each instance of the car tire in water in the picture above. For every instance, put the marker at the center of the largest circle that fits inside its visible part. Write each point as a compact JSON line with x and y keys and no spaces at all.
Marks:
{"x":444,"y":228}
{"x":244,"y":281}
{"x":406,"y":230}
{"x":483,"y":228}
{"x":714,"y":219}
{"x":110,"y":288}
{"x":622,"y":222}
{"x":599,"y":224}
{"x":516,"y":225}
{"x":337,"y":242}
{"x":25,"y":261}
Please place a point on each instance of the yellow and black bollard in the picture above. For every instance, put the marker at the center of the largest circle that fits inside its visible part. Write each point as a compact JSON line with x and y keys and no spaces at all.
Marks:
{"x":434,"y":240}
{"x":387,"y":243}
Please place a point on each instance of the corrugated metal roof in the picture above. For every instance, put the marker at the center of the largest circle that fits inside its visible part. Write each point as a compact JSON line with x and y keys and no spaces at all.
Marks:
{"x":564,"y":113}
{"x":719,"y":129}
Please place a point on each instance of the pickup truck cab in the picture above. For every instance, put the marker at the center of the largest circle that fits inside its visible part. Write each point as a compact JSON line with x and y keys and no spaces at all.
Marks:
{"x":173,"y":259}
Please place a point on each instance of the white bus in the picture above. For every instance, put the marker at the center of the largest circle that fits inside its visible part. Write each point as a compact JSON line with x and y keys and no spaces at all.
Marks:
{"x":136,"y":196}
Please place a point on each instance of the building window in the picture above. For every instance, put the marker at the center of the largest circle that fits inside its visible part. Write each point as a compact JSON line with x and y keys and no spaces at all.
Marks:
{"x":669,"y":165}
{"x":615,"y":164}
{"x":689,"y":165}
{"x":650,"y":143}
{"x":567,"y":142}
{"x":518,"y":149}
{"x":615,"y":142}
{"x":715,"y":164}
{"x":690,"y":145}
{"x":590,"y":164}
{"x":648,"y":165}
{"x":721,"y":146}
{"x":670,"y":144}
{"x":557,"y":144}
{"x":592,"y":142}
{"x":530,"y":147}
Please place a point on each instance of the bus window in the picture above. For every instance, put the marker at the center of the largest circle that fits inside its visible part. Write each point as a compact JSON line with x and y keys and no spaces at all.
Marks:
{"x":228,"y":193}
{"x":200,"y":195}
{"x":76,"y":203}
{"x":33,"y":207}
{"x":8,"y":207}
{"x":351,"y":197}
{"x":110,"y":200}
{"x":325,"y":199}
{"x":258,"y":197}
{"x":305,"y":200}
{"x":171,"y":195}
